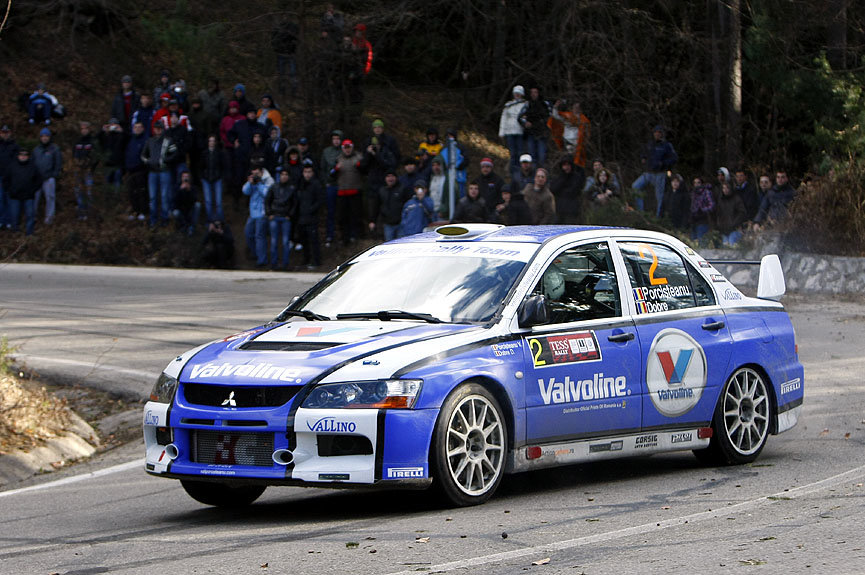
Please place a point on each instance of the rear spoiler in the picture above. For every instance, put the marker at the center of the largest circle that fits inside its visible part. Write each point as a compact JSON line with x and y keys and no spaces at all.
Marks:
{"x":771,"y":284}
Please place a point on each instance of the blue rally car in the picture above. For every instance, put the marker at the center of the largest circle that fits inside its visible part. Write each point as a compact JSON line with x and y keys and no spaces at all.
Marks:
{"x":453,"y":357}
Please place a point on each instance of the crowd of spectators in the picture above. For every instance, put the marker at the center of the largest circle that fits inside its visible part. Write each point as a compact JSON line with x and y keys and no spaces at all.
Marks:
{"x":180,"y":157}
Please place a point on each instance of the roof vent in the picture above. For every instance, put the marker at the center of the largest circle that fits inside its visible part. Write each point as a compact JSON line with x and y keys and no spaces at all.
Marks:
{"x":466,"y":231}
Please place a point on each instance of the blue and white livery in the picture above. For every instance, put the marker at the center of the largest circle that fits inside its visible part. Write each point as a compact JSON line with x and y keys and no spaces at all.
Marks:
{"x":450,"y":358}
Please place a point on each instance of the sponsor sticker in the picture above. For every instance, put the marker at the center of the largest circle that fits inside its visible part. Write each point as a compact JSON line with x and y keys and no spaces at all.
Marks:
{"x":405,"y":472}
{"x":490,"y":250}
{"x":322,"y":332}
{"x":645,"y":441}
{"x":675,"y":372}
{"x":601,"y":447}
{"x":245,"y":370}
{"x":334,"y":476}
{"x":575,"y":390}
{"x":151,"y":418}
{"x":705,"y":264}
{"x":717,"y":278}
{"x":690,"y":252}
{"x":563,"y":349}
{"x":791,"y":386}
{"x":331,"y":425}
{"x":732,"y":295}
{"x":682,"y":437}
{"x":505,"y":349}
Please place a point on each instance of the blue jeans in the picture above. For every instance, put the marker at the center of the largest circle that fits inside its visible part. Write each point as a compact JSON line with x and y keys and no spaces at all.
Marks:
{"x":330,"y":202}
{"x":699,"y":231}
{"x":732,"y":238}
{"x":159,"y":186}
{"x":280,"y":228}
{"x":515,"y":147}
{"x":29,"y":214}
{"x":658,"y":182}
{"x":187,"y":220}
{"x":213,"y":200}
{"x":390,"y":232}
{"x":83,"y":189}
{"x":115,"y":176}
{"x":537,"y":148}
{"x":256,"y":238}
{"x":48,"y":189}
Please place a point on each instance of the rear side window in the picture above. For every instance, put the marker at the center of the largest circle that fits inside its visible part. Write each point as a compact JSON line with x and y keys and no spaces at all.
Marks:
{"x":659,"y":278}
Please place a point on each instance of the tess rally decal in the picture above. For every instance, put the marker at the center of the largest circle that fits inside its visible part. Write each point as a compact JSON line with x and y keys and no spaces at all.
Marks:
{"x":554,"y":350}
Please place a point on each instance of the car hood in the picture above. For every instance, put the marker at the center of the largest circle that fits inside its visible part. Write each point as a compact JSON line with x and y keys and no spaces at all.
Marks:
{"x":297,"y":352}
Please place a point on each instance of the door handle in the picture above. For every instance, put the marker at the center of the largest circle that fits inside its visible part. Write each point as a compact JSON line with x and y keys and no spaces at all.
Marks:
{"x":621,"y":337}
{"x":714,"y":326}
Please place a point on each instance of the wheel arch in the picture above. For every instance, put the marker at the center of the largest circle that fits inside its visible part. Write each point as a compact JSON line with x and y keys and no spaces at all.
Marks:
{"x":770,"y":386}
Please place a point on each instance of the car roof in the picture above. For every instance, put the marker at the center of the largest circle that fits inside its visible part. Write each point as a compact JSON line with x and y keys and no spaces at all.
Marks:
{"x":518,"y":234}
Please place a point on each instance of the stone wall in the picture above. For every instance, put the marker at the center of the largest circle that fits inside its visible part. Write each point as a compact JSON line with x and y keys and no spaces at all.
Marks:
{"x":804,"y":273}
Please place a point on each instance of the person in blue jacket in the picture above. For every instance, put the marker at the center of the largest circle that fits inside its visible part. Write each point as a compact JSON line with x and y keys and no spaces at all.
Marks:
{"x":258,"y":182}
{"x":659,"y":157}
{"x":418,"y":212}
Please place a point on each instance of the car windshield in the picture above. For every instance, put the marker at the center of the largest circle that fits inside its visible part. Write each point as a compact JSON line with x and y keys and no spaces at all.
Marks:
{"x":451,"y":289}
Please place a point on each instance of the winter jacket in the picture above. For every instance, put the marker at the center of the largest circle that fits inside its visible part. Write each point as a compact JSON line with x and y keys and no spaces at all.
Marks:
{"x":470,"y":211}
{"x":82,"y":153}
{"x":213,"y":165}
{"x":48,"y":160}
{"x":461,"y":160}
{"x":132,"y":161}
{"x":542,"y":204}
{"x":257,"y":192}
{"x":702,"y":204}
{"x":243,"y":105}
{"x":22,"y":180}
{"x":575,"y":131}
{"x":145,"y":116}
{"x":310,"y":198}
{"x":520,"y":179}
{"x":274,"y":153}
{"x":388,"y":203}
{"x":516,"y":212}
{"x":774,"y":206}
{"x":225,"y":126}
{"x":329,"y":157}
{"x":8,"y":152}
{"x":660,"y":156}
{"x":491,"y":187}
{"x":124,"y":106}
{"x":416,"y":215}
{"x":349,"y":172}
{"x":509,"y":123}
{"x":242,"y":133}
{"x":214,"y":104}
{"x":185,"y":198}
{"x":567,"y":190}
{"x":269,"y":117}
{"x":281,"y":200}
{"x":749,"y":197}
{"x":536,"y":113}
{"x":159,"y":153}
{"x":730,"y":213}
{"x":113,"y":145}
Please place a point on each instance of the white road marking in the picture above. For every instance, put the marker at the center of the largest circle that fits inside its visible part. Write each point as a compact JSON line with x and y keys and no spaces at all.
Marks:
{"x":88,"y":364}
{"x":77,"y":478}
{"x":548,"y":548}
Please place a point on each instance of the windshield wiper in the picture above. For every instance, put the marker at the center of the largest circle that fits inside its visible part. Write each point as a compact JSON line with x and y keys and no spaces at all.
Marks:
{"x":304,"y":313}
{"x":389,"y":314}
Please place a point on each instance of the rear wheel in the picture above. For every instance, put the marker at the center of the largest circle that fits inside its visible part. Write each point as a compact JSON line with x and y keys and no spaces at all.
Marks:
{"x":741,"y":421}
{"x":222,"y":495}
{"x":469,"y":446}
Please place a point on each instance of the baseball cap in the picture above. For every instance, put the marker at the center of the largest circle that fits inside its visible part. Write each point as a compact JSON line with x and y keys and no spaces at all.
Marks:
{"x":526,"y":158}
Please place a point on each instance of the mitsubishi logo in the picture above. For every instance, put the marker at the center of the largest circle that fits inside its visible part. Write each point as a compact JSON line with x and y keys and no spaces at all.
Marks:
{"x":230,"y":401}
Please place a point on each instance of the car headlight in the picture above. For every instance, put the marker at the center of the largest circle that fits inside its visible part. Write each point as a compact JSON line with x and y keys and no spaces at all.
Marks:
{"x":164,"y":390}
{"x":389,"y":394}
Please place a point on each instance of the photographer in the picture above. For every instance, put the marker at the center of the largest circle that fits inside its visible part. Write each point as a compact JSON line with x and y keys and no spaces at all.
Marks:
{"x":255,"y":230}
{"x":218,"y":245}
{"x":112,"y":140}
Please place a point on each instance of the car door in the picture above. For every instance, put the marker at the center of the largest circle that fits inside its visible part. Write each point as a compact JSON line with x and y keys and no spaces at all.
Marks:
{"x":685,"y":343}
{"x":583,"y":367}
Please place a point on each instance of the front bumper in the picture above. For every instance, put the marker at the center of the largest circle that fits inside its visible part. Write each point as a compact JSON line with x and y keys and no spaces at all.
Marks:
{"x":313,"y":447}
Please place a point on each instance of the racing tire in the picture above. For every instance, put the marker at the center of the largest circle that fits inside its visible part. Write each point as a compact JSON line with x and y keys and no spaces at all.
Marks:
{"x":741,"y":421}
{"x":222,"y":495}
{"x":469,"y":446}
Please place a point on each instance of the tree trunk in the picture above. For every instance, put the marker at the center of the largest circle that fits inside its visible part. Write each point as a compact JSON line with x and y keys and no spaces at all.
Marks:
{"x":734,"y":93}
{"x":498,"y":52}
{"x":836,"y":32}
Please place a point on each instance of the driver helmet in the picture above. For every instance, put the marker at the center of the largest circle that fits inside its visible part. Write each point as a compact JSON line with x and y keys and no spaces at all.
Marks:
{"x":554,"y":283}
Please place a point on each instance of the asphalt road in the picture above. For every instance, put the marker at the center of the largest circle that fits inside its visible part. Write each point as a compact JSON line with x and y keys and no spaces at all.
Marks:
{"x":799,"y":508}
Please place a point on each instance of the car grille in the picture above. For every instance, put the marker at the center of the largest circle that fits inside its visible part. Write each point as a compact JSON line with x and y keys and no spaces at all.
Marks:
{"x":285,"y":346}
{"x":239,"y":396}
{"x":212,"y":447}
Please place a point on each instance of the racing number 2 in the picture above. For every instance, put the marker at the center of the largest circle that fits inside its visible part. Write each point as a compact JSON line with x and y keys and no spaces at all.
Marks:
{"x":652,"y":279}
{"x":536,"y":348}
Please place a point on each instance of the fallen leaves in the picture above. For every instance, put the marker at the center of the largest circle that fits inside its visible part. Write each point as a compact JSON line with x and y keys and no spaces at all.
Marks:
{"x":752,"y":562}
{"x":543,"y":561}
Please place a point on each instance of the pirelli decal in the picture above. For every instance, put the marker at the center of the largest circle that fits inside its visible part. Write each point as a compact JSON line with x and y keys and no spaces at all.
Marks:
{"x":551,"y":350}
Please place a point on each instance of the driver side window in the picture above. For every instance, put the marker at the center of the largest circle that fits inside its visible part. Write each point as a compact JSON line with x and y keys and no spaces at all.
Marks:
{"x":580,"y":284}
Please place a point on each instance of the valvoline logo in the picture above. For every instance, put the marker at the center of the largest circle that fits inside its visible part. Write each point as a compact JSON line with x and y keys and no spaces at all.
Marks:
{"x":675,"y":372}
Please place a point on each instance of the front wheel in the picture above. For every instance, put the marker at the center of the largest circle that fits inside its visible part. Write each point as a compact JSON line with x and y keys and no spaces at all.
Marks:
{"x":741,"y":421}
{"x":469,"y":446}
{"x":222,"y":495}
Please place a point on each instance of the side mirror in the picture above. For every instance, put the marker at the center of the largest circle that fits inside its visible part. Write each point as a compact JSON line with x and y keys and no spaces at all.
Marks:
{"x":771,"y":284}
{"x":533,"y":311}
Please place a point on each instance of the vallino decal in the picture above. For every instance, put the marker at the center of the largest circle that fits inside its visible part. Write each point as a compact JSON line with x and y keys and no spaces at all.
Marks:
{"x":552,"y":350}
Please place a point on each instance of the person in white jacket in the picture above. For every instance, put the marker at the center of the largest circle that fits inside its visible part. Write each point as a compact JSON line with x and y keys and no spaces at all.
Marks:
{"x":510,"y":128}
